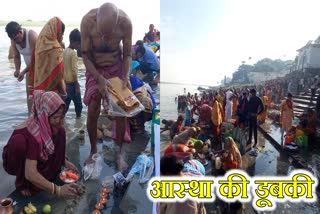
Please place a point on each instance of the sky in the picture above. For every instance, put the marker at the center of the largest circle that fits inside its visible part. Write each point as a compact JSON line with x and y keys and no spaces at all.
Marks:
{"x":142,"y":12}
{"x":203,"y":41}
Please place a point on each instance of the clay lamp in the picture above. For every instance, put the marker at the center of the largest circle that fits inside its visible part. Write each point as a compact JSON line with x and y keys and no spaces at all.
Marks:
{"x":103,"y":201}
{"x":99,"y":206}
{"x":96,"y":211}
{"x":103,"y":195}
{"x":106,"y":190}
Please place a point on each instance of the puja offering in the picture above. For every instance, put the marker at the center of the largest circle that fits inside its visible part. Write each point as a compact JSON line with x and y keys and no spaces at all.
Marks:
{"x":96,"y":211}
{"x":99,"y":206}
{"x":6,"y":206}
{"x":103,"y":201}
{"x":106,"y":190}
{"x":69,"y":176}
{"x":103,"y":195}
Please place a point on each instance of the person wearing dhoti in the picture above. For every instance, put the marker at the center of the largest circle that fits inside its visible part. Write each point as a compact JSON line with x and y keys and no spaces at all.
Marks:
{"x":103,"y":30}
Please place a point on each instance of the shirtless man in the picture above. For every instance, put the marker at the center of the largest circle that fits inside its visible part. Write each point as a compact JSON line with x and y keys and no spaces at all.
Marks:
{"x":23,"y":42}
{"x":102,"y":30}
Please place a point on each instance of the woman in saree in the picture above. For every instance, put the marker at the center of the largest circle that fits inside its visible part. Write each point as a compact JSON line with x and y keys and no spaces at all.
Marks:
{"x":286,"y":109}
{"x":232,"y":157}
{"x":35,"y":151}
{"x":46,"y":68}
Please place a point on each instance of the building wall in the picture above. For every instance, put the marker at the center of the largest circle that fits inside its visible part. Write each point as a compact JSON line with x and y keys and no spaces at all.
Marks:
{"x":313,"y":57}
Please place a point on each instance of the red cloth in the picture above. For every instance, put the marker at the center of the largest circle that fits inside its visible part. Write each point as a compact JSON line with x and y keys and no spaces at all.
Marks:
{"x":21,"y":146}
{"x":229,"y":164}
{"x":177,"y":148}
{"x":107,"y":72}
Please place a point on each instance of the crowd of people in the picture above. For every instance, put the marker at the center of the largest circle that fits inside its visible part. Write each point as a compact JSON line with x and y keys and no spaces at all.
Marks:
{"x":104,"y":42}
{"x":205,"y":127}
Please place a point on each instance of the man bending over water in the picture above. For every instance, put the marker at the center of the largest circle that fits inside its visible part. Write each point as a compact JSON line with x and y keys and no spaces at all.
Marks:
{"x":102,"y":30}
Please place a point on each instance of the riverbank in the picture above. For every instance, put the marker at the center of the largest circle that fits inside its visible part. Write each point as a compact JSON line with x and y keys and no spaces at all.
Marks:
{"x":77,"y":150}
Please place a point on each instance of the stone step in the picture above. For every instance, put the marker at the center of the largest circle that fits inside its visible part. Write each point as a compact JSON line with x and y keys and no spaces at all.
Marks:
{"x":305,"y":101}
{"x":303,"y":106}
{"x":296,"y":93}
{"x":305,"y":97}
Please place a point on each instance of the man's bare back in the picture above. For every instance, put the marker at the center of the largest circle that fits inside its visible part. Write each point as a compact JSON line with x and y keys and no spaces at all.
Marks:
{"x":104,"y":50}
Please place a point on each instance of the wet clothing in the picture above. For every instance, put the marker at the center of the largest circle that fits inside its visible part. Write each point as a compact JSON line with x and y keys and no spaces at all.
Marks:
{"x":21,"y":146}
{"x":108,"y":72}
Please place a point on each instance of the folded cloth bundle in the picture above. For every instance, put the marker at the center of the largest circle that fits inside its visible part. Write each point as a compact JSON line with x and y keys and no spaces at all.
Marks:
{"x":122,"y":96}
{"x":144,"y":98}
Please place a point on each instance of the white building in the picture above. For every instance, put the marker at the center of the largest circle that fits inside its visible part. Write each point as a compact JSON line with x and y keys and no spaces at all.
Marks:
{"x":309,"y":56}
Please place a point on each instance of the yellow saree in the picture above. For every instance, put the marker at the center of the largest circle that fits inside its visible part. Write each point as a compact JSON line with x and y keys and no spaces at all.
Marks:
{"x":46,"y":68}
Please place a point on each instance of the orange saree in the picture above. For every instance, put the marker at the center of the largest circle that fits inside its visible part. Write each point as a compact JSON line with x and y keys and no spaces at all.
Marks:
{"x":46,"y":67}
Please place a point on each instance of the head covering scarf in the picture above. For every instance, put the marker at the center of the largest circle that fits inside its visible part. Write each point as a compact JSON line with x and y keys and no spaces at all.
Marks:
{"x":205,"y":113}
{"x":44,"y":105}
{"x":46,"y":68}
{"x":194,"y":168}
{"x":232,"y":147}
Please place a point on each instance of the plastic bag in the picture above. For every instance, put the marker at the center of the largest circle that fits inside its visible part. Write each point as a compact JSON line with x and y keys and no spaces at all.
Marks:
{"x":144,"y":166}
{"x":93,"y":170}
{"x":116,"y":98}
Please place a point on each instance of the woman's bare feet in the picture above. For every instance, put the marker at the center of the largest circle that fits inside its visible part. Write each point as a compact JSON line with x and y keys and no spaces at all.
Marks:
{"x":25,"y":192}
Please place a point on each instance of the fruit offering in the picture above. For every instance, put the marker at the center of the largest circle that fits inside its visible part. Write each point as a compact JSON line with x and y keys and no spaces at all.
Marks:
{"x":46,"y":209}
{"x":30,"y":209}
{"x":69,"y":176}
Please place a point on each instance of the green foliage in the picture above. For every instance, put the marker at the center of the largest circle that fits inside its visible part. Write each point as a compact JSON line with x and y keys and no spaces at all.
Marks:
{"x":264,"y":66}
{"x":267,"y":65}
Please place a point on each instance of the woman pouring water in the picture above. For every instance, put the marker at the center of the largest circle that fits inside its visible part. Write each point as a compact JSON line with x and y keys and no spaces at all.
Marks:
{"x":35,"y":151}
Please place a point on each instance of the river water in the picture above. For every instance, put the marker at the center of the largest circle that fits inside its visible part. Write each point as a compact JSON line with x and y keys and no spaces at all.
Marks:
{"x":13,"y":107}
{"x":13,"y":111}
